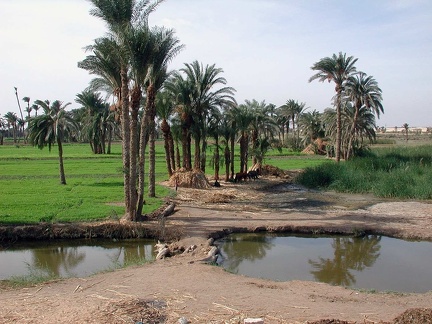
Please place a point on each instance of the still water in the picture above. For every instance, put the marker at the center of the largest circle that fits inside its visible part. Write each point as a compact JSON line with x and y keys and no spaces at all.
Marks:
{"x":369,"y":262}
{"x":76,"y":258}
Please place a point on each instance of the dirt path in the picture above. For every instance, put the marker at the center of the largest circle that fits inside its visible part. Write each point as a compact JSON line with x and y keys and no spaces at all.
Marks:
{"x":184,"y":286}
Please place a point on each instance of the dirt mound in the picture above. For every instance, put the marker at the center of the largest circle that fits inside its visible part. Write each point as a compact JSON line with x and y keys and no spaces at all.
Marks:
{"x":135,"y":311}
{"x":330,"y":321}
{"x":415,"y":316}
{"x":189,"y":179}
{"x":270,"y":170}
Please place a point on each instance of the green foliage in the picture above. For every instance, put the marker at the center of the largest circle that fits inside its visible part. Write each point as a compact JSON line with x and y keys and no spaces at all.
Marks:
{"x":391,"y":172}
{"x":31,"y":194}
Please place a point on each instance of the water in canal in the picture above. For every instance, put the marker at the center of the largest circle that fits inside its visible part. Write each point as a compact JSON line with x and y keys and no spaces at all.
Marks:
{"x":75,"y":258}
{"x":370,"y":262}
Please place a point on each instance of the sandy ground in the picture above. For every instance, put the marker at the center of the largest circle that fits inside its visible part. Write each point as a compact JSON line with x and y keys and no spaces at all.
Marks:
{"x":186,"y":287}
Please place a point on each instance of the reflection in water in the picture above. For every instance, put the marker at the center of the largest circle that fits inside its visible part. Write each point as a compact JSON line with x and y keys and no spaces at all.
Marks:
{"x":245,"y":247}
{"x":349,"y":253}
{"x":57,"y":260}
{"x":72,"y":258}
{"x":369,"y":262}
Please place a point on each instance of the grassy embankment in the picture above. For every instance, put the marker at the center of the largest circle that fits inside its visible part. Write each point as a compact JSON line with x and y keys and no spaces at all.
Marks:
{"x":403,"y":171}
{"x":30,"y":191}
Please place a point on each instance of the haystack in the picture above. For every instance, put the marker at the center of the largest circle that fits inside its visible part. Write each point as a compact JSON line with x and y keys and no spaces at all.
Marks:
{"x":189,"y":179}
{"x":317,"y":147}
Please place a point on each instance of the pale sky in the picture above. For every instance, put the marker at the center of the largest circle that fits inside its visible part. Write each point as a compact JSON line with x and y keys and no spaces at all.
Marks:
{"x":265,"y":47}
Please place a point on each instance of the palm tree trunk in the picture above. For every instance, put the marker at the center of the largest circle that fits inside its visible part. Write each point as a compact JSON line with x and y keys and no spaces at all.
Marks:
{"x":338,"y":125}
{"x":178,"y":159}
{"x":197,"y":156}
{"x":109,"y":140}
{"x":232,"y":152}
{"x":203,"y":159}
{"x":152,"y":161}
{"x":184,"y":139}
{"x":61,"y":166}
{"x":166,"y":134}
{"x":125,"y":139}
{"x":352,"y":135}
{"x":171,"y":151}
{"x":227,"y":155}
{"x":243,"y":152}
{"x":216,"y":158}
{"x":134,"y":104}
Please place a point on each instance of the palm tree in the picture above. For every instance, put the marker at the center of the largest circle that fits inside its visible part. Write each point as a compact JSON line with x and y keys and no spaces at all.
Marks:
{"x":19,"y":105}
{"x":164,"y":110}
{"x":337,"y":69}
{"x":292,"y":109}
{"x":310,"y":126}
{"x":35,"y":108}
{"x":12,"y":121}
{"x":195,"y":95}
{"x":28,"y":109}
{"x":96,"y":120}
{"x":406,"y":128}
{"x":121,"y":17}
{"x":2,"y":129}
{"x":363,"y":91}
{"x":181,"y":90}
{"x":53,"y":127}
{"x":227,"y":132}
{"x":364,"y":127}
{"x":164,"y":46}
{"x":243,"y":119}
{"x":262,"y":127}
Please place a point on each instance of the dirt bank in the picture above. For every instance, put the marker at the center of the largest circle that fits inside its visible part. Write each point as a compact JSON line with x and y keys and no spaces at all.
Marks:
{"x":184,"y":286}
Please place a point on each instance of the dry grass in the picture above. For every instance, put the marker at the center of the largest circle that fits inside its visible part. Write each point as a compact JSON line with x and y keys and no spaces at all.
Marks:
{"x":189,"y":179}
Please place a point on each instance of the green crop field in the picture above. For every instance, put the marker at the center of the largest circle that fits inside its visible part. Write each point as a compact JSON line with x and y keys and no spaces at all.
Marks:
{"x":30,"y":189}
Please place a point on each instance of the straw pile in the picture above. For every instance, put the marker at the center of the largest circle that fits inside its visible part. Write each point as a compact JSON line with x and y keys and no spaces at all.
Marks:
{"x":189,"y":179}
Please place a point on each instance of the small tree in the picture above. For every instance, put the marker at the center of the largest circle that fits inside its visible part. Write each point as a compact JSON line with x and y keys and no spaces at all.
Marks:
{"x":406,"y":127}
{"x":54,"y":126}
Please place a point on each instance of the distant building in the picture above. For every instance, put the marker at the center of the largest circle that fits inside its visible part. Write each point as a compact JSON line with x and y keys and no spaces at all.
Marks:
{"x":400,"y":129}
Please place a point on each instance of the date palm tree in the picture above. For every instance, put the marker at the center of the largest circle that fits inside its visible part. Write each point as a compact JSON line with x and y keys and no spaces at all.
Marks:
{"x":2,"y":129}
{"x":28,"y":109}
{"x":19,"y":105}
{"x":243,"y":119}
{"x":53,"y":127}
{"x":12,"y":121}
{"x":406,"y":128}
{"x":338,"y":69}
{"x":121,"y":17}
{"x":181,"y":90}
{"x":310,"y":126}
{"x":164,"y":110}
{"x":362,"y":91}
{"x":96,"y":126}
{"x":164,"y":46}
{"x":35,"y":108}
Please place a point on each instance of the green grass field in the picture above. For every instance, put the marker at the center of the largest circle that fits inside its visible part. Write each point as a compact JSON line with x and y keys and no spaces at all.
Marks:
{"x":391,"y":172}
{"x":30,"y":189}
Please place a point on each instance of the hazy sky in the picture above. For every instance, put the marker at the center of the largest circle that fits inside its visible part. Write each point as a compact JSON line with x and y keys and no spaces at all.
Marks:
{"x":265,"y":47}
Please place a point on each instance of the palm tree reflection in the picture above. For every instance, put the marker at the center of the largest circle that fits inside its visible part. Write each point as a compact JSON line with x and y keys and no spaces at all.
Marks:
{"x":238,"y":248}
{"x":66,"y":258}
{"x":57,"y":260}
{"x":349,"y":254}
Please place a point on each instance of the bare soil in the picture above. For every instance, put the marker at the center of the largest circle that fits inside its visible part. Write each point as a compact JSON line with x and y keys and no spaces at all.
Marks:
{"x":186,"y":288}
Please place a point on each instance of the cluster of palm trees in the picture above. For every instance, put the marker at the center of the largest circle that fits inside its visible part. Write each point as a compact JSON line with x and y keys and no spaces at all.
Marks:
{"x":358,"y":99}
{"x":195,"y":107}
{"x":14,"y":126}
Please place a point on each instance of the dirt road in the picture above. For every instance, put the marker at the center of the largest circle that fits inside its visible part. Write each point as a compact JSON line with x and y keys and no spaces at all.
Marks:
{"x":184,"y":286}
